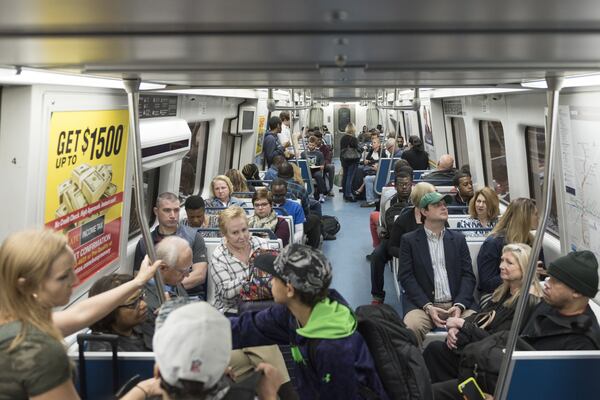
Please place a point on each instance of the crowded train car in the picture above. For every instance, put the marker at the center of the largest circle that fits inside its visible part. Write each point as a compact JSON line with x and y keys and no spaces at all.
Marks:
{"x":299,"y":200}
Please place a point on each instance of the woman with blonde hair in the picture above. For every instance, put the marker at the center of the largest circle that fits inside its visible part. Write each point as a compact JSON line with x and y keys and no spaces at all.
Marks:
{"x":349,"y":156}
{"x":484,"y":209}
{"x":37,"y":274}
{"x":442,"y":358}
{"x":408,"y":220}
{"x":514,"y":226}
{"x":221,"y":189}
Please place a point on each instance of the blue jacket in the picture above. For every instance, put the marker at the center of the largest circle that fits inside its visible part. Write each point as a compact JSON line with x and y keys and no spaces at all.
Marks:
{"x":272,"y":147}
{"x":416,"y":270}
{"x":342,"y":361}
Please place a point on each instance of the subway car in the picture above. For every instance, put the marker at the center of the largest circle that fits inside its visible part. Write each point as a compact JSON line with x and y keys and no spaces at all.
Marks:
{"x":105,"y":106}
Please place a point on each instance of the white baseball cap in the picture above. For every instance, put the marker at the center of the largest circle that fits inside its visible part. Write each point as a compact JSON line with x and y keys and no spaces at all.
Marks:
{"x":194,"y":343}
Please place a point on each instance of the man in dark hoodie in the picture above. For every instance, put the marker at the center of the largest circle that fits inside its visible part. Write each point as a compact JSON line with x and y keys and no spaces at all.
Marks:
{"x":332,"y":359}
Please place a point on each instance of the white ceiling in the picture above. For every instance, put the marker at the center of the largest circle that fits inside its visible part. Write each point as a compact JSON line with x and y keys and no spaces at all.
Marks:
{"x":306,"y":43}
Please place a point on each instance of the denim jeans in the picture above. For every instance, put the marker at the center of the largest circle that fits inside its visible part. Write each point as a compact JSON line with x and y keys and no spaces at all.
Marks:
{"x":370,"y":188}
{"x":348,"y":177}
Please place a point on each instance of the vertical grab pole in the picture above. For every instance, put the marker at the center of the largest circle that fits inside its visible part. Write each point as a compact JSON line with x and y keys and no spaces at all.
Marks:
{"x":554,"y":86}
{"x":132,"y":86}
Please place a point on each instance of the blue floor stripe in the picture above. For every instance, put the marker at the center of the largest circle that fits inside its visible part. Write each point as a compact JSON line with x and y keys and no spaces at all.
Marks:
{"x":351,"y":270}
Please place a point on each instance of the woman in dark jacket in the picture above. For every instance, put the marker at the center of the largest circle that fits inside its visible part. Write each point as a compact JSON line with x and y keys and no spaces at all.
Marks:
{"x":349,"y":140}
{"x":415,"y":155}
{"x":442,"y":358}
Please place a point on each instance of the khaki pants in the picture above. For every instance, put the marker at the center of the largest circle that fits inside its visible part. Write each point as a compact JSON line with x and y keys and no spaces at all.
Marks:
{"x":420,"y":323}
{"x":243,"y":361}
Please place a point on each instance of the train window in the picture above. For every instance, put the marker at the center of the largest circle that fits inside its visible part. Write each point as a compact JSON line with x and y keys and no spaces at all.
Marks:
{"x":459,"y":135}
{"x":494,"y":158}
{"x":536,"y":150}
{"x":194,"y":161}
{"x":150,"y":194}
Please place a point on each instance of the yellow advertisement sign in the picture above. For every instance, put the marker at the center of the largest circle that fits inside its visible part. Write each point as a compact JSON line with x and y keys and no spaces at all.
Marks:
{"x":87,"y":155}
{"x":261,"y":133}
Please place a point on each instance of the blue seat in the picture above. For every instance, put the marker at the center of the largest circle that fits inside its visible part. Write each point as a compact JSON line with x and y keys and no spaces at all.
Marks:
{"x":306,"y":175}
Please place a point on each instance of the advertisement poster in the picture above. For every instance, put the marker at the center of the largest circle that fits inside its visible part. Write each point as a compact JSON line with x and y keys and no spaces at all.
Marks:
{"x":87,"y":152}
{"x":261,"y":134}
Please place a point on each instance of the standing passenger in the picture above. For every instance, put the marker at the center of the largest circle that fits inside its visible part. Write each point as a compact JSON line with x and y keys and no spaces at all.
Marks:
{"x":349,"y":165}
{"x":415,"y":155}
{"x":271,"y":144}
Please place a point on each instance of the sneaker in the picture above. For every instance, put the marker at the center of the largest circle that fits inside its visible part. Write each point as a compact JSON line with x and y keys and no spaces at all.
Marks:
{"x":327,"y":236}
{"x":322,"y":199}
{"x":367,"y":204}
{"x":376,"y":302}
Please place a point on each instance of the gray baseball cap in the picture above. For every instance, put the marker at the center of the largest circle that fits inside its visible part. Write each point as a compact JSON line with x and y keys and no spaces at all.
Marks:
{"x":305,"y":268}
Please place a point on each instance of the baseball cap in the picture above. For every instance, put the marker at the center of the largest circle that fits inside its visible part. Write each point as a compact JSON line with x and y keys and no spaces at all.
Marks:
{"x":434,"y":197}
{"x":193,"y":343}
{"x":305,"y":268}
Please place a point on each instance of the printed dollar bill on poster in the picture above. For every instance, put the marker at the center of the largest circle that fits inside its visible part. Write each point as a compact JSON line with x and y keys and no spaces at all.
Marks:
{"x":87,"y":152}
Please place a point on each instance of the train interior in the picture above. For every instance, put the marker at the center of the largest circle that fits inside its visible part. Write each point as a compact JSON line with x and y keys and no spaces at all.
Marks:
{"x":474,"y":80}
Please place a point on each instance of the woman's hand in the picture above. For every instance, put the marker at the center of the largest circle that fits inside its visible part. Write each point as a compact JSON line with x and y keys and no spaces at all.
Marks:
{"x":452,"y":338}
{"x":454,"y":322}
{"x":147,"y":271}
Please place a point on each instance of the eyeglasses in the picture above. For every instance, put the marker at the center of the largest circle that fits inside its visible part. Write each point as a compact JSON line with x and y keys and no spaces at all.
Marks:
{"x":135,"y":303}
{"x":261,"y":205}
{"x":185,"y":271}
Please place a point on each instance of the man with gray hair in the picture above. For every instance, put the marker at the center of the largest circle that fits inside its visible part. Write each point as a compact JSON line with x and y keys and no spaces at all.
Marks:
{"x":176,"y":256}
{"x":444,"y":174}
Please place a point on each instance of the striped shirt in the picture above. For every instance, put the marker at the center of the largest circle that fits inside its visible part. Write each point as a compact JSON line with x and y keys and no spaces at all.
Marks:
{"x":227,"y":274}
{"x":438,"y":261}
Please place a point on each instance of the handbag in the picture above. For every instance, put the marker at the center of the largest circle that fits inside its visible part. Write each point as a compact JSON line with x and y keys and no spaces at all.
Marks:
{"x":350,"y":154}
{"x":257,"y":287}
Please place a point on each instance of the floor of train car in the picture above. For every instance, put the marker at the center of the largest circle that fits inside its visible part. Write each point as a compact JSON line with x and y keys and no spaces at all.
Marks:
{"x":351,"y":270}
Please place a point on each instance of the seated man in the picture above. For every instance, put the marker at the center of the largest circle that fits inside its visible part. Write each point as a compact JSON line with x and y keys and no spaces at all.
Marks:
{"x":316,"y":163}
{"x":279,"y":192}
{"x":332,"y":359}
{"x":176,"y":257}
{"x":196,"y":217}
{"x":435,"y":270}
{"x":564,"y":319}
{"x":194,"y":366}
{"x":444,"y":174}
{"x":273,"y":170}
{"x":392,"y":149}
{"x":464,"y":185}
{"x":167,"y":214}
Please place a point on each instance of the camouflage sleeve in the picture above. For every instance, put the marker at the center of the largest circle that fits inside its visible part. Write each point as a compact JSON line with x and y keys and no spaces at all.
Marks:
{"x":40,"y":363}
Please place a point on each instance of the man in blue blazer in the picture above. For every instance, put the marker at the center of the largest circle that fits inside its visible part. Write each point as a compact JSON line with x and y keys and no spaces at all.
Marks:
{"x":435,"y":270}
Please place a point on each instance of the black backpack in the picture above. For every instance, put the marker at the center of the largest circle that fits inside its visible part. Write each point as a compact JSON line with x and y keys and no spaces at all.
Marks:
{"x":330,"y":225}
{"x":482,"y":359}
{"x":398,"y":359}
{"x":390,"y":217}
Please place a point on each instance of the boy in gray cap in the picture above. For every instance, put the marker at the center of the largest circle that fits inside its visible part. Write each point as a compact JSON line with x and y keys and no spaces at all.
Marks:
{"x":331,"y":358}
{"x":564,"y":320}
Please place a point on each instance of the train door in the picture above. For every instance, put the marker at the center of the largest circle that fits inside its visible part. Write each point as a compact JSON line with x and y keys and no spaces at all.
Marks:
{"x":194,"y":163}
{"x":459,"y":139}
{"x":493,"y":150}
{"x":227,"y":149}
{"x":343,"y":114}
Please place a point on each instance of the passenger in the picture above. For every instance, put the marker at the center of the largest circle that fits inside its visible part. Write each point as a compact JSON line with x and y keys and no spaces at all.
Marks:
{"x":392,"y":148}
{"x":484,"y":209}
{"x":271,"y":144}
{"x":167,"y":214}
{"x":329,"y":168}
{"x":435,"y":270}
{"x":349,"y":141}
{"x":410,"y":219}
{"x":285,"y":136}
{"x":415,"y":155}
{"x":221,"y":189}
{"x":279,"y":193}
{"x":193,"y":366}
{"x":176,"y":265}
{"x":464,"y":185}
{"x":265,"y":217}
{"x":196,"y":216}
{"x":311,"y":225}
{"x":364,"y":135}
{"x":332,"y":361}
{"x":124,"y":321}
{"x":316,"y":163}
{"x":250,"y":172}
{"x":444,"y":174}
{"x":37,"y":273}
{"x":442,"y":357}
{"x":514,"y":226}
{"x":298,"y":192}
{"x":273,"y":170}
{"x":564,"y":319}
{"x":238,"y":181}
{"x":230,"y":260}
{"x":380,"y":256}
{"x":371,"y":164}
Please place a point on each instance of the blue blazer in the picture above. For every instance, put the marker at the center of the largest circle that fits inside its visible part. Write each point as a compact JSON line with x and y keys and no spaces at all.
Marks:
{"x":416,"y":270}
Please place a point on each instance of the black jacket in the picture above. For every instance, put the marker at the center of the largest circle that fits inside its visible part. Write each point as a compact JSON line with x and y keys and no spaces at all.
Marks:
{"x":418,"y":160}
{"x":549,"y":330}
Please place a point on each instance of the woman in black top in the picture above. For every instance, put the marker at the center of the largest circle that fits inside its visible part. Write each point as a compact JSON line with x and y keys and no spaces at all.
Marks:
{"x":415,"y":155}
{"x":349,"y":167}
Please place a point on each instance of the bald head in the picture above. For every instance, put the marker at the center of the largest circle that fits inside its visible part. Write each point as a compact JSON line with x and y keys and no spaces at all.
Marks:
{"x":172,"y":249}
{"x":446,"y":162}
